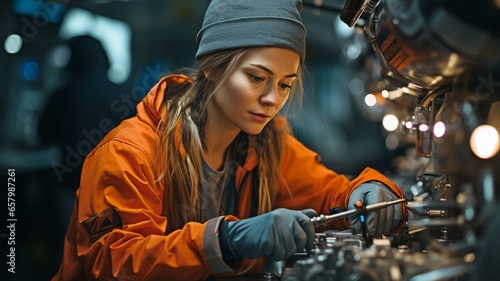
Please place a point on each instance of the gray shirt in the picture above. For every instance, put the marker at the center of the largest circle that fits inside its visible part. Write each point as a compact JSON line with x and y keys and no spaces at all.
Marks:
{"x":212,"y":192}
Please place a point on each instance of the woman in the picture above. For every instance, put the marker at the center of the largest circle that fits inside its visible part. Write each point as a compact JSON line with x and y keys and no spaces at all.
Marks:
{"x":206,"y":180}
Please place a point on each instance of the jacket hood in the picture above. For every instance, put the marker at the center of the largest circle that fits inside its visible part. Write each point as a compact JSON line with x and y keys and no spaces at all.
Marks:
{"x":150,"y":109}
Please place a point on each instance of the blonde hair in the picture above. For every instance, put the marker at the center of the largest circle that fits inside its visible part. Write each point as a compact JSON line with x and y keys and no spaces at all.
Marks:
{"x":181,"y":140}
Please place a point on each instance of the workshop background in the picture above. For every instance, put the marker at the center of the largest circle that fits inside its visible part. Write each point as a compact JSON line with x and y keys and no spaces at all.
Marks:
{"x":51,"y":117}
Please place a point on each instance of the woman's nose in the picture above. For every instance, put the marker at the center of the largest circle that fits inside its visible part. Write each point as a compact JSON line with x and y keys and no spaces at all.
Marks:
{"x":270,"y":97}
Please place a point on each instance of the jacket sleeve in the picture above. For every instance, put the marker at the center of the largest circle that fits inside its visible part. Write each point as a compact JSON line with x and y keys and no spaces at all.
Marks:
{"x":307,"y":183}
{"x":118,"y":178}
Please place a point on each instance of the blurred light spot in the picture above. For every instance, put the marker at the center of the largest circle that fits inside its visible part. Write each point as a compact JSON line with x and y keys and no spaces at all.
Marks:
{"x":485,"y":141}
{"x":395,"y":94}
{"x":76,"y":22}
{"x":391,"y":142}
{"x":361,"y":22}
{"x":423,"y":127}
{"x":342,"y":29}
{"x":390,"y":122}
{"x":30,"y":70}
{"x":13,"y":43}
{"x":439,"y":129}
{"x":469,"y":214}
{"x":452,"y":60}
{"x":353,"y":51}
{"x":385,"y":93}
{"x":317,"y":3}
{"x":469,"y":257}
{"x":41,"y":11}
{"x":60,"y":56}
{"x":380,"y":85}
{"x":370,"y":100}
{"x":408,"y":124}
{"x":437,"y":79}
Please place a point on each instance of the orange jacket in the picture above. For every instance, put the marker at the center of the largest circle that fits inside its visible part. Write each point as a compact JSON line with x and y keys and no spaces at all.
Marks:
{"x":117,"y":231}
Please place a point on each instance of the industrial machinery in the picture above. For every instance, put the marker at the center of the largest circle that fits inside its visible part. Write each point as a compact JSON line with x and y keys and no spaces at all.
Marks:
{"x":440,"y":61}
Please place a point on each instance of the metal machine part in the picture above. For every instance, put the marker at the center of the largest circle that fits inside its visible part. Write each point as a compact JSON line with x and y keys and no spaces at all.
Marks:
{"x":355,"y":8}
{"x":447,"y":55}
{"x":428,"y":43}
{"x":342,"y":256}
{"x":444,"y":55}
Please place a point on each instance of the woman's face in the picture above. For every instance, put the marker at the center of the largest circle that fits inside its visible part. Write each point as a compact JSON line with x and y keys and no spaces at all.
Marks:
{"x":255,"y":90}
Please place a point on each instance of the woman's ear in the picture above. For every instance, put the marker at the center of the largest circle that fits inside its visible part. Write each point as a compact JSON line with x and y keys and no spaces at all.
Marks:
{"x":208,"y":75}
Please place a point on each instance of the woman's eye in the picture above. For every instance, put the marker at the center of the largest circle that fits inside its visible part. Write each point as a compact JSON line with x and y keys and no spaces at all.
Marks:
{"x":285,"y":86}
{"x":256,"y":79}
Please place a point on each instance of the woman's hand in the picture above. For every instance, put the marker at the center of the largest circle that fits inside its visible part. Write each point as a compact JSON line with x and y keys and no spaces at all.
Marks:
{"x":378,"y":222}
{"x":277,"y":234}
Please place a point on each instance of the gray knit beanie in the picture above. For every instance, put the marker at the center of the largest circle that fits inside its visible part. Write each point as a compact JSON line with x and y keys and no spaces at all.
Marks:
{"x":230,"y":24}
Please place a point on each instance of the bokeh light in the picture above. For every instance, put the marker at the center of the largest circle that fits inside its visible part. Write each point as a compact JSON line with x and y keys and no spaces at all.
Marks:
{"x":370,"y":100}
{"x":439,"y":129}
{"x":485,"y":141}
{"x":30,"y":70}
{"x":390,"y":122}
{"x":13,"y":43}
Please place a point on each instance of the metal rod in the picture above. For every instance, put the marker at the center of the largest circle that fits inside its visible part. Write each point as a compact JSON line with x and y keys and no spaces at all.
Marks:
{"x":324,"y":219}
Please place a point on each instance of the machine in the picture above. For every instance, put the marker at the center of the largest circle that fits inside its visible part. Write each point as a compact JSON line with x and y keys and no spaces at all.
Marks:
{"x":440,"y":61}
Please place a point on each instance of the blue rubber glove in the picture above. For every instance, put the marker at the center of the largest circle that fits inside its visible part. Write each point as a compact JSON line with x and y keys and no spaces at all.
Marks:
{"x":276,"y":235}
{"x":381,"y":221}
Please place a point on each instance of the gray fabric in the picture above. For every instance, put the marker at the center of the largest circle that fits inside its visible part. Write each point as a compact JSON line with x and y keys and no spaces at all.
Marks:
{"x":230,"y":24}
{"x":212,"y":192}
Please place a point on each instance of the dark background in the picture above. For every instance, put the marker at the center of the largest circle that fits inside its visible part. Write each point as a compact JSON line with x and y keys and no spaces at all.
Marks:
{"x":335,"y":121}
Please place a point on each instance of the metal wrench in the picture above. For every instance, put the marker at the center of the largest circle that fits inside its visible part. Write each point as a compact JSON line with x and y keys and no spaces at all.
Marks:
{"x":324,"y":219}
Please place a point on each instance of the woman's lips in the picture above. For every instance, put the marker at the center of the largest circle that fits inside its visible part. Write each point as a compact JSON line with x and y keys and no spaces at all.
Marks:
{"x":260,"y":117}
